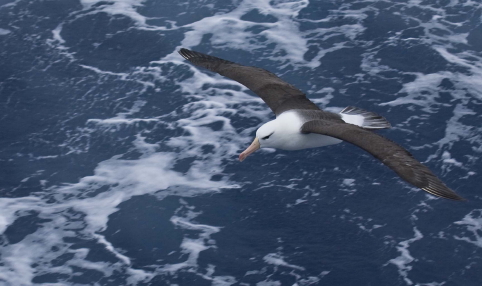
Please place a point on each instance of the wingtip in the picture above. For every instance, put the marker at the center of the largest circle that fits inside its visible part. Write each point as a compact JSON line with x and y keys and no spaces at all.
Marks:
{"x":459,"y":198}
{"x":456,"y":197}
{"x":445,"y":193}
{"x":190,"y":54}
{"x":185,"y":53}
{"x":203,"y":60}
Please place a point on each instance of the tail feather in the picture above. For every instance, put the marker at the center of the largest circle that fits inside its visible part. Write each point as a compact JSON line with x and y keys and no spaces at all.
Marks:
{"x":363,"y":118}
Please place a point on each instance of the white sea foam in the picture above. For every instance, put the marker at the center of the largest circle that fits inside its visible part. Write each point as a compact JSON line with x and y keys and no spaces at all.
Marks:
{"x":455,"y":131}
{"x":121,"y":117}
{"x":364,"y":223}
{"x":218,"y":280}
{"x":349,"y":182}
{"x":122,"y":76}
{"x":56,"y":34}
{"x":230,"y":31}
{"x":126,"y":178}
{"x":403,"y":261}
{"x":11,"y":206}
{"x":13,"y":3}
{"x":191,"y":246}
{"x":449,"y":160}
{"x":348,"y":185}
{"x":473,"y":222}
{"x":151,"y":174}
{"x":4,"y":32}
{"x":119,"y":7}
{"x":422,"y":91}
{"x":277,"y":259}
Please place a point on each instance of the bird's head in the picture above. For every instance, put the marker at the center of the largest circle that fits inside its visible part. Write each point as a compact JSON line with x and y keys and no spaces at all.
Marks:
{"x":266,"y":137}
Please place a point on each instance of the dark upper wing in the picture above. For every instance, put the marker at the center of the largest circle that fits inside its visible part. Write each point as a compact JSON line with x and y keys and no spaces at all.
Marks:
{"x":391,"y":154}
{"x":279,"y":95}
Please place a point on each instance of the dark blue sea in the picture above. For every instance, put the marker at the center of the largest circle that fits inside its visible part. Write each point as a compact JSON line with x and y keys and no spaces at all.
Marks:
{"x":118,"y":158}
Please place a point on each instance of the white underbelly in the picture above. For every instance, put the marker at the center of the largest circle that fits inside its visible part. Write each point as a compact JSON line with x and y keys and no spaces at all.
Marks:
{"x":290,"y":138}
{"x":304,"y":141}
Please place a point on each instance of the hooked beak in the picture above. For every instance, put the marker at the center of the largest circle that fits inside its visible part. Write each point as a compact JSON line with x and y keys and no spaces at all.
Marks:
{"x":251,"y":149}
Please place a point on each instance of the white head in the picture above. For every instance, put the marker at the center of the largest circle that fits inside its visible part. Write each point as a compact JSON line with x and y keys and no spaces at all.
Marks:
{"x":284,"y":133}
{"x":267,"y":136}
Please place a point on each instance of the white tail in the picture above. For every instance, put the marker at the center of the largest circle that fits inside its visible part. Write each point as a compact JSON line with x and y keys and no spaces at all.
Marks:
{"x":363,"y":118}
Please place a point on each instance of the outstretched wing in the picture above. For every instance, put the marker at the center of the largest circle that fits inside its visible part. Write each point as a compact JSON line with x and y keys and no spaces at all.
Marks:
{"x":279,"y":95}
{"x":391,"y":154}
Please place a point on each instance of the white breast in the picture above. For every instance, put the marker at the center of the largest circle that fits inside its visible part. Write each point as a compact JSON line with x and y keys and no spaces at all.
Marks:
{"x":288,"y":136}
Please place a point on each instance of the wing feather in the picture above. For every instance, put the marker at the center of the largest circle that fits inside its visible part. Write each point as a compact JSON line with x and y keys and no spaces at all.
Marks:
{"x":279,"y":95}
{"x":388,"y":152}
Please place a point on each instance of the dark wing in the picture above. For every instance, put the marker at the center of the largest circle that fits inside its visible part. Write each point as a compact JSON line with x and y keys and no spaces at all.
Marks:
{"x":279,"y":95}
{"x":391,"y":154}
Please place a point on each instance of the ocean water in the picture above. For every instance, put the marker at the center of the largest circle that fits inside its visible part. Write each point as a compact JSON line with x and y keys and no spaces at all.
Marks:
{"x":118,"y":159}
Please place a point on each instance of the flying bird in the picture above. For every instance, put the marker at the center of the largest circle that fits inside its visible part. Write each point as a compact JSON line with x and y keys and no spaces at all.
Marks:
{"x":301,"y":124}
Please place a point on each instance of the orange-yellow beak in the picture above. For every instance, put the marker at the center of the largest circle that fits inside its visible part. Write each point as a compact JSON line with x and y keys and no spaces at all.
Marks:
{"x":251,"y":149}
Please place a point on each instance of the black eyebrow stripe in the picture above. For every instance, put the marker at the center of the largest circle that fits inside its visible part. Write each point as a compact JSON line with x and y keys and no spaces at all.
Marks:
{"x":266,"y":137}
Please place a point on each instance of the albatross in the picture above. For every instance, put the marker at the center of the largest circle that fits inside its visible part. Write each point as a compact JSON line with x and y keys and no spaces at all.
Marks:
{"x":301,"y":124}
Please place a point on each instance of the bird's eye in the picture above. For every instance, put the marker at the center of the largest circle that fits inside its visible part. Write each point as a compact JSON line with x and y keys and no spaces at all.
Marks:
{"x":266,"y":137}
